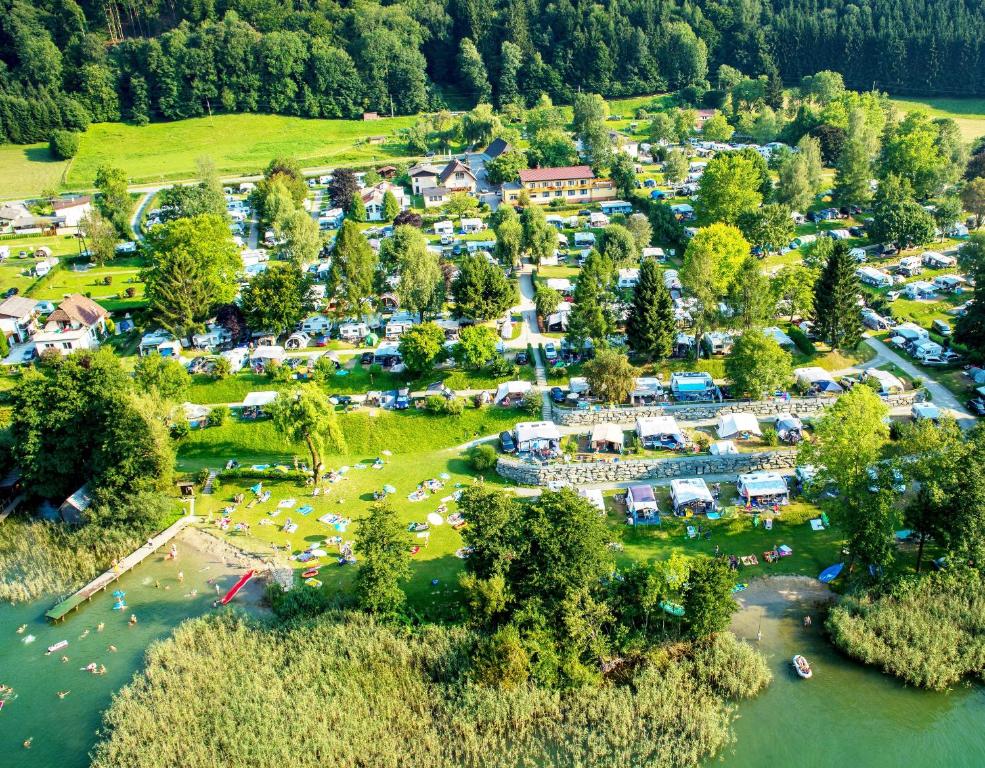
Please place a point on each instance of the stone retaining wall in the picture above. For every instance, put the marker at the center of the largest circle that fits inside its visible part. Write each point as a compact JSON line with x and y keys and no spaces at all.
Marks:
{"x":764,"y":409}
{"x":591,"y":473}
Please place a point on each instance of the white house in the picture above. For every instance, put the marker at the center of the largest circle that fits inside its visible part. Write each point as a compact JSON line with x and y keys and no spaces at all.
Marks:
{"x":737,"y":424}
{"x":17,"y":318}
{"x":373,"y":199}
{"x":77,"y":323}
{"x":68,"y":213}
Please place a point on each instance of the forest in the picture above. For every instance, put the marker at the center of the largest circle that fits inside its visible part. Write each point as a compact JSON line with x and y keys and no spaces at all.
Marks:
{"x":65,"y":63}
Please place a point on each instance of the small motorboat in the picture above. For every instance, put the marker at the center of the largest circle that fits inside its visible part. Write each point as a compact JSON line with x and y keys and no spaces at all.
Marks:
{"x":801,"y":667}
{"x":311,"y":572}
{"x":57,"y":646}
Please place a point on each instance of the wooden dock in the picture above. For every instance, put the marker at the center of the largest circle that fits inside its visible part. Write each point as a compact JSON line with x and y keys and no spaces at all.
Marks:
{"x":128,"y":563}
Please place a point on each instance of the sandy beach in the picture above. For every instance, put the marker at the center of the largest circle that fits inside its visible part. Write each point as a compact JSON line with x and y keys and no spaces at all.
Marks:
{"x":232,"y":560}
{"x":774,"y":597}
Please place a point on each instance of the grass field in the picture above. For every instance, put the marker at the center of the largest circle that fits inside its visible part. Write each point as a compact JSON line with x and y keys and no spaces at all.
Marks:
{"x":27,"y":169}
{"x":124,"y":273}
{"x":969,"y":114}
{"x":235,"y":143}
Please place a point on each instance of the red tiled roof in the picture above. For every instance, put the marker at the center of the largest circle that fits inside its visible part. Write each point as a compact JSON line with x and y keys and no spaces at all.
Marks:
{"x":59,"y":204}
{"x":80,"y":309}
{"x":557,"y":174}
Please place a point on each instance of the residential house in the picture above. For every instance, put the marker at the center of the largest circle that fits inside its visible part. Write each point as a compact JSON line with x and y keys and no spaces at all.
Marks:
{"x":496,"y":148}
{"x":18,"y":316}
{"x":77,"y":323}
{"x":423,"y":176}
{"x":457,"y":177}
{"x":11,"y":212}
{"x":435,"y":197}
{"x":572,"y":184}
{"x":70,"y":212}
{"x":471,"y":226}
{"x":159,"y":342}
{"x":693,"y":387}
{"x":373,"y":199}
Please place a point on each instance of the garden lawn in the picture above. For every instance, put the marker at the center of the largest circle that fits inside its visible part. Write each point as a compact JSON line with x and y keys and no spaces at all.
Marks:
{"x":28,"y":169}
{"x":237,"y":144}
{"x":124,"y":273}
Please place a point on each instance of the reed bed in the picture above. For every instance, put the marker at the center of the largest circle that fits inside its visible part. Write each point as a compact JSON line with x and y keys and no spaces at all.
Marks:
{"x":929,"y":632}
{"x":342,"y":690}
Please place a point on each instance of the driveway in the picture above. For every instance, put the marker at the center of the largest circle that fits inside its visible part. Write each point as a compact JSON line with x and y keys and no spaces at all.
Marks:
{"x":941,"y":395}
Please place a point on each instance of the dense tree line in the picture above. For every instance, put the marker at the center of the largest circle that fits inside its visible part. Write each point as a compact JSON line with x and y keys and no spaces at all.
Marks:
{"x":66,"y":62}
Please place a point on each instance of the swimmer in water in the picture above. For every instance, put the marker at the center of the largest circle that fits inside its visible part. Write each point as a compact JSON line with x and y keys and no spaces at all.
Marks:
{"x":27,"y":742}
{"x":63,"y":694}
{"x":133,"y":619}
{"x":64,"y":659}
{"x":99,"y":626}
{"x":101,"y":670}
{"x":111,"y":649}
{"x":84,"y":635}
{"x":181,"y":577}
{"x":21,"y":628}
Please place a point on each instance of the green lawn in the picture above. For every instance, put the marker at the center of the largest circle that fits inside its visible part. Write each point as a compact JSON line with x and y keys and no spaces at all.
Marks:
{"x":969,"y":114}
{"x":235,"y":143}
{"x":27,"y":169}
{"x":123,"y":272}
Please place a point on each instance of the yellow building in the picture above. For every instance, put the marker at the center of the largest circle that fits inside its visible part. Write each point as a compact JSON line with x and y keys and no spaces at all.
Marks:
{"x":575,"y":185}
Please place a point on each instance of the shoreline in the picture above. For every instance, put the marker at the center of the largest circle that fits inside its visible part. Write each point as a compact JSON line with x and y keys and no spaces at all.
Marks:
{"x":776,"y":597}
{"x":254,"y":592}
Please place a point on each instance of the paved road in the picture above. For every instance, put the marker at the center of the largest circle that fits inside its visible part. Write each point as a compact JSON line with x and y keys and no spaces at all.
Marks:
{"x":941,"y":395}
{"x":139,"y":211}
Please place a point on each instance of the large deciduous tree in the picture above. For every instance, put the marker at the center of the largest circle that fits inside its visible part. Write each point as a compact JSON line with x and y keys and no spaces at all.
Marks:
{"x":758,"y":365}
{"x":730,"y":186}
{"x":480,"y":290}
{"x":382,"y":543}
{"x":610,"y":376}
{"x":304,"y":415}
{"x":277,"y":299}
{"x":711,"y":264}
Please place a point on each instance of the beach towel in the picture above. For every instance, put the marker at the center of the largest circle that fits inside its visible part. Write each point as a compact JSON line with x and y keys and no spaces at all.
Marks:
{"x":817,"y":524}
{"x":423,"y":535}
{"x":274,"y":512}
{"x":290,"y":528}
{"x":435,"y":519}
{"x":415,"y":549}
{"x":286,"y":503}
{"x":714,"y":516}
{"x":749,"y":560}
{"x":329,"y":519}
{"x":784,"y":551}
{"x":306,"y":510}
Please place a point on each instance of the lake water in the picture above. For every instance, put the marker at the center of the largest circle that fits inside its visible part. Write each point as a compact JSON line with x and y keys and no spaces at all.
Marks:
{"x":64,"y":729}
{"x":845,"y":715}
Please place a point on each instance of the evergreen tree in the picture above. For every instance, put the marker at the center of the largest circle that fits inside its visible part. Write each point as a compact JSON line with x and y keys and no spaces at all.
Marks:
{"x":385,"y":561}
{"x":836,"y":300}
{"x":357,"y":208}
{"x":390,"y":206}
{"x":350,"y":278}
{"x":480,"y":290}
{"x":472,"y":72}
{"x":651,"y":326}
{"x":970,"y":327}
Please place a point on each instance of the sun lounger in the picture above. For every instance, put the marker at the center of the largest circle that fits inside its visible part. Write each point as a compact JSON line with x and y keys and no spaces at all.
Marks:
{"x":692,"y":532}
{"x":290,"y":528}
{"x":306,"y":510}
{"x":768,"y":524}
{"x":784,"y":551}
{"x":713,"y":516}
{"x":286,"y":503}
{"x":817,"y":524}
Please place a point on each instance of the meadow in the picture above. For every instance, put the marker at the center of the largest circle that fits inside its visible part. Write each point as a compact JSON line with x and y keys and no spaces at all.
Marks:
{"x":237,"y":144}
{"x":27,"y":169}
{"x":969,"y":114}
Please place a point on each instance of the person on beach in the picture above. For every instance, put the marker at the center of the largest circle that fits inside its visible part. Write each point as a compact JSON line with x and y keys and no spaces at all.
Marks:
{"x":111,"y":648}
{"x":181,"y":577}
{"x":174,"y":552}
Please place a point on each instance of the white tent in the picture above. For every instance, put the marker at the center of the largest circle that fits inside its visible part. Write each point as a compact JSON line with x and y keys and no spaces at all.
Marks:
{"x":691,"y":492}
{"x":511,"y":389}
{"x":267,"y":353}
{"x":606,"y":435}
{"x":578,"y":384}
{"x":723,"y":448}
{"x":537,"y":435}
{"x":732,"y":424}
{"x":888,"y":384}
{"x":594,"y":495}
{"x":259,"y":399}
{"x":659,"y":429}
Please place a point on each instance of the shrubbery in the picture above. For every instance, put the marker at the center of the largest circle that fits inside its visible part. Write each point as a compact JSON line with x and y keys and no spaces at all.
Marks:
{"x":64,"y":144}
{"x":482,"y":457}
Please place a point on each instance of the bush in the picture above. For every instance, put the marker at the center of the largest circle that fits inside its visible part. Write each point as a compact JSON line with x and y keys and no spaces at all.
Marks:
{"x":64,"y":144}
{"x":180,"y":428}
{"x":478,"y":400}
{"x":455,"y":406}
{"x":108,"y":280}
{"x":218,"y":416}
{"x":799,"y":338}
{"x":532,"y":403}
{"x":434,"y":404}
{"x":770,"y":436}
{"x":130,"y":292}
{"x":701,"y":439}
{"x":482,"y":457}
{"x":298,"y":603}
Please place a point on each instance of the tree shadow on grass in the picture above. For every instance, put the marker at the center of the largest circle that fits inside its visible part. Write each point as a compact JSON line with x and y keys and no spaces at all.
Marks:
{"x":40,"y":155}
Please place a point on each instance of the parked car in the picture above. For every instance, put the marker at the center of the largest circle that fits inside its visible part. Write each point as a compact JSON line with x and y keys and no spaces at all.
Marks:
{"x":550,"y":351}
{"x":521,"y":358}
{"x":939,"y":326}
{"x":366,"y":358}
{"x":506,"y":442}
{"x":557,"y":394}
{"x":341,"y":399}
{"x":976,"y":406}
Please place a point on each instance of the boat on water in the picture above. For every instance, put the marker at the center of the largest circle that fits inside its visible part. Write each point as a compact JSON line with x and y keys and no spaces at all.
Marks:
{"x":57,"y":646}
{"x":801,"y":667}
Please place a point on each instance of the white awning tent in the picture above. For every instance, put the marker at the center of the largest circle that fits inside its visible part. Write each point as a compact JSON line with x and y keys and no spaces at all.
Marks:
{"x":594,"y":496}
{"x":578,"y":385}
{"x":786,"y":422}
{"x":690,"y":492}
{"x":511,"y":389}
{"x":607,"y":434}
{"x":762,"y":484}
{"x":723,"y":448}
{"x":259,"y":399}
{"x":732,"y":424}
{"x":888,"y":383}
{"x":659,"y":428}
{"x":815,"y":376}
{"x":640,"y":499}
{"x":537,"y":435}
{"x":560,"y":284}
{"x":267,"y":353}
